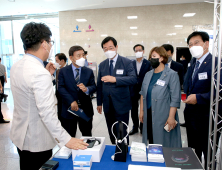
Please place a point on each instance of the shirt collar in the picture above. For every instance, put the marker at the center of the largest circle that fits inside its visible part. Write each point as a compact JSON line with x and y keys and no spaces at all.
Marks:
{"x":74,"y":68}
{"x":140,"y":61}
{"x":203,"y":58}
{"x":36,"y":58}
{"x":115,"y":59}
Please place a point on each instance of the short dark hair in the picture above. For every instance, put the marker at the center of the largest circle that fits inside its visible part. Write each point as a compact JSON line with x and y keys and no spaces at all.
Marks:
{"x":137,"y":46}
{"x":74,"y":49}
{"x":33,"y":34}
{"x":86,"y":52}
{"x":168,"y":47}
{"x":205,"y":37}
{"x":0,"y":59}
{"x":161,"y":51}
{"x":107,"y":39}
{"x":61,"y":56}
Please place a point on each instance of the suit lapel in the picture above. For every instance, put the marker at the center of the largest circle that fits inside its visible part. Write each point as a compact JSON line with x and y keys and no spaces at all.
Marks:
{"x":172,"y":66}
{"x":143,"y":66}
{"x":83,"y":71}
{"x":117,"y":66}
{"x":202,"y":67}
{"x":134,"y":65}
{"x":71,"y":76}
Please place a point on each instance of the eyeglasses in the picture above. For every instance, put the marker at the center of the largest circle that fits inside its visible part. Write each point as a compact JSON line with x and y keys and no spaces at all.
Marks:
{"x":108,"y":49}
{"x":195,"y":44}
{"x":138,"y":51}
{"x":52,"y":42}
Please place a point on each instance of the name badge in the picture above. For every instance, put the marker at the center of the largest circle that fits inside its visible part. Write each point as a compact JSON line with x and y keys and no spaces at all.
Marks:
{"x":119,"y":71}
{"x":202,"y":76}
{"x":188,"y":64}
{"x":160,"y":82}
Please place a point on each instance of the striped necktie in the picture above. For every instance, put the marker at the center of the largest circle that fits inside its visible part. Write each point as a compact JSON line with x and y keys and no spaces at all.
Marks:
{"x":195,"y":70}
{"x":77,"y":76}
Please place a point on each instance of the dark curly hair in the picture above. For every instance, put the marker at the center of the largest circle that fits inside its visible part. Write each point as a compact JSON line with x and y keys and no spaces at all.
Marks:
{"x":33,"y":34}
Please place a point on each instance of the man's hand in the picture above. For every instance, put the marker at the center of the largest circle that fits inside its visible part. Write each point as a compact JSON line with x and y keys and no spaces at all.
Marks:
{"x":82,"y":87}
{"x":191,"y":99}
{"x":76,"y":144}
{"x":6,"y":80}
{"x":110,"y":79}
{"x":51,"y":68}
{"x":74,"y":106}
{"x":171,"y":123}
{"x":99,"y":109}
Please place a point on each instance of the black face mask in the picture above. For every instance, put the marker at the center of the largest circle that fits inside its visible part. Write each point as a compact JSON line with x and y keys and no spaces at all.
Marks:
{"x":154,"y":62}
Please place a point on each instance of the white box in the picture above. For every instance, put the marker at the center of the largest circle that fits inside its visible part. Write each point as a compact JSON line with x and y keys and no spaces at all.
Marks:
{"x":95,"y":151}
{"x":82,"y":162}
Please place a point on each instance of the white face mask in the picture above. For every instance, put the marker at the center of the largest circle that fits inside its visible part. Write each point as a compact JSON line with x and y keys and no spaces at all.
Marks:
{"x":50,"y":53}
{"x":80,"y":62}
{"x":139,"y":54}
{"x":197,"y":51}
{"x":110,"y":54}
{"x":57,"y":65}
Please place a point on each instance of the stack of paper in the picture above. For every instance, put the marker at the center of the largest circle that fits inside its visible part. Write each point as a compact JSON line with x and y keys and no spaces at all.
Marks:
{"x":140,"y":167}
{"x":155,"y":153}
{"x":138,"y":152}
{"x":63,"y":153}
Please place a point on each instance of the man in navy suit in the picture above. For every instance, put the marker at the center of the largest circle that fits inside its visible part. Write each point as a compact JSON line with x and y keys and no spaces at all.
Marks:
{"x":76,"y":83}
{"x":141,"y":67}
{"x":197,"y":86}
{"x":115,"y":75}
{"x":173,"y":64}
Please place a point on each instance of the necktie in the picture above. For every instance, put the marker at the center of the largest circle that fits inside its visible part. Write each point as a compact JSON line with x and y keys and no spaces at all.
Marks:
{"x":195,"y":70}
{"x":111,"y":67}
{"x":77,"y":76}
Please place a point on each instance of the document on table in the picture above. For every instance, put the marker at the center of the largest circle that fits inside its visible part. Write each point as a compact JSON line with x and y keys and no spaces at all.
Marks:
{"x":140,"y":167}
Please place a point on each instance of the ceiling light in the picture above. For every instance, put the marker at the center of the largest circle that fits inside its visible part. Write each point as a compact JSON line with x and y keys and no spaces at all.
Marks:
{"x":178,"y":26}
{"x":132,"y":17}
{"x":134,"y":34}
{"x":133,"y":28}
{"x":11,"y":0}
{"x":189,"y":14}
{"x":81,"y":20}
{"x":172,"y":34}
{"x":209,"y":2}
{"x":104,"y":35}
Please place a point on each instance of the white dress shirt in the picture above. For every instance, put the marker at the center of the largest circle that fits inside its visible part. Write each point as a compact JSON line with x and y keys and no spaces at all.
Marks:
{"x":114,"y":61}
{"x":139,"y":65}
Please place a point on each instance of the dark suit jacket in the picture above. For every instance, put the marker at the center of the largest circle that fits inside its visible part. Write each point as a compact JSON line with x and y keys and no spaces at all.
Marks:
{"x":69,"y":91}
{"x":119,"y":92}
{"x":179,"y":69}
{"x":146,"y":66}
{"x":54,"y":74}
{"x":198,"y":114}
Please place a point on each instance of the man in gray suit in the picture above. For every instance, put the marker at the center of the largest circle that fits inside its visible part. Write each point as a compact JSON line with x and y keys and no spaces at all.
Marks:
{"x":36,"y":129}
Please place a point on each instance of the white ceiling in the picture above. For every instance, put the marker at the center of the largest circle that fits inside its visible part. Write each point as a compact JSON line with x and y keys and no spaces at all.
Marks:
{"x":20,"y":7}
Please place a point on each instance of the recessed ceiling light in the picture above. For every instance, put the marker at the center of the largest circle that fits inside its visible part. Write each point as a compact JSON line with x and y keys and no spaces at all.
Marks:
{"x":134,"y":33}
{"x":133,"y":28}
{"x":172,"y":34}
{"x":209,"y":2}
{"x":178,"y":26}
{"x":11,"y":0}
{"x":132,"y":17}
{"x":81,"y":20}
{"x":104,"y":35}
{"x":189,"y":14}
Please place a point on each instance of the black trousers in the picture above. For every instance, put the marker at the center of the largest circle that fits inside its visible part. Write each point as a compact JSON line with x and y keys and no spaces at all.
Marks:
{"x":33,"y":160}
{"x":1,"y":115}
{"x":2,"y":79}
{"x":149,"y":126}
{"x":112,"y":117}
{"x":134,"y":111}
{"x":70,"y":125}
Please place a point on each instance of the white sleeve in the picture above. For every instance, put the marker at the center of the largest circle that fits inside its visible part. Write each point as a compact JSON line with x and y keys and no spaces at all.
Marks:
{"x":46,"y":104}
